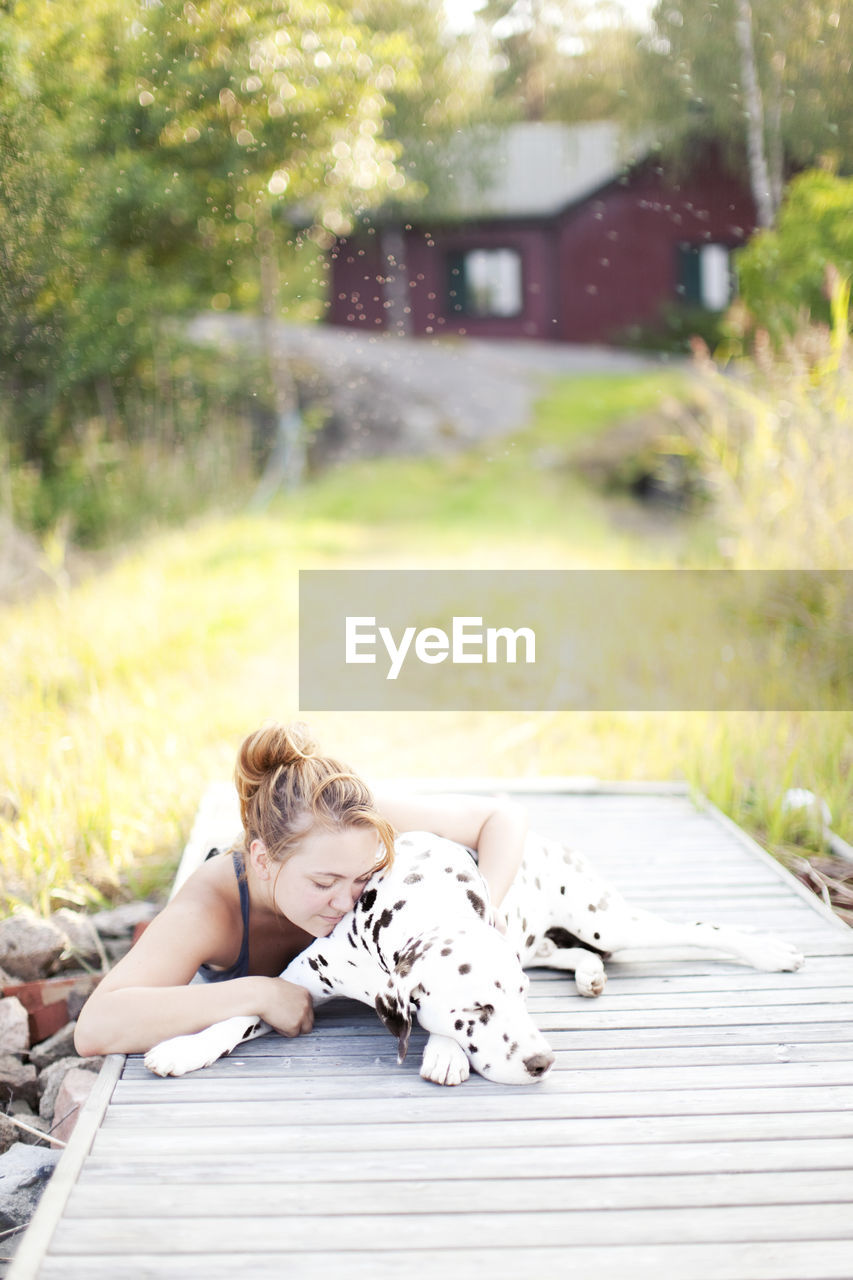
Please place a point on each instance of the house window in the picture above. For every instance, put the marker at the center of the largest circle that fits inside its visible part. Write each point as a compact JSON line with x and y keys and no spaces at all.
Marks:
{"x":705,"y":277}
{"x":484,"y":282}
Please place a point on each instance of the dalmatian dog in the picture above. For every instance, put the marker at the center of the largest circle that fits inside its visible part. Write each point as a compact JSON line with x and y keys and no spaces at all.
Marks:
{"x":419,"y":943}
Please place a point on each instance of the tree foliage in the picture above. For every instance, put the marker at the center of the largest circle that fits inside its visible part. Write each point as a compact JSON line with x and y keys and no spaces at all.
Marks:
{"x":794,"y":273}
{"x":149,"y":148}
{"x":558,"y":59}
{"x":688,"y":80}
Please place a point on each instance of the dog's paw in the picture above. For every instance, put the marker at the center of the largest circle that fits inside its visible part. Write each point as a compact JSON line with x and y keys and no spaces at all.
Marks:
{"x":181,"y":1054}
{"x":590,"y":977}
{"x":444,"y":1061}
{"x":775,"y":955}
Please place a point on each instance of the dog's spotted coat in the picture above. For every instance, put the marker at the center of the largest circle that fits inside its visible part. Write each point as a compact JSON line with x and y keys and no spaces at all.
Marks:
{"x":419,"y":943}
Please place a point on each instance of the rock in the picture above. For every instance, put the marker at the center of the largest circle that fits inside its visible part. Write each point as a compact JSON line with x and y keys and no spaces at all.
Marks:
{"x":46,"y":1002}
{"x":79,"y":994}
{"x":17,"y":1080}
{"x":20,"y":1111}
{"x":74,"y":1090}
{"x":83,"y":945}
{"x":60,"y":1045}
{"x":121,"y":921}
{"x":29,"y":945}
{"x":117,"y":949}
{"x":9,"y":1133}
{"x":50,"y":1081}
{"x":6,"y":979}
{"x":14,"y":1026}
{"x":12,"y":1132}
{"x":24,"y":1173}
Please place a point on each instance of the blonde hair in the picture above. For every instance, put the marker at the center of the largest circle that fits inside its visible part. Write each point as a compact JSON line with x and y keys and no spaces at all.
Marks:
{"x":286,"y":787}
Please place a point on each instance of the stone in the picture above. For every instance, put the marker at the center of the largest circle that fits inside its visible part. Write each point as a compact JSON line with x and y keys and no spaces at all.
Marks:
{"x":14,"y":1026}
{"x":17,"y":1079}
{"x":9,"y":1133}
{"x":117,"y":949}
{"x":59,"y":1045}
{"x":79,"y":994}
{"x":50,"y":1081}
{"x":19,"y":1110}
{"x":24,"y":1173}
{"x":46,"y":1002}
{"x":120,"y":922}
{"x":83,"y":945}
{"x":76,"y":1086}
{"x":29,"y":945}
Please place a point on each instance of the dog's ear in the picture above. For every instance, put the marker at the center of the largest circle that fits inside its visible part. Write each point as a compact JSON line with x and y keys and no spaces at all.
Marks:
{"x":396,"y":1015}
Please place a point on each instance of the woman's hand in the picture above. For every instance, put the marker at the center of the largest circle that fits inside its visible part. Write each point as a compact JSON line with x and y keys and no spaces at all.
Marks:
{"x":496,"y":828}
{"x":286,"y":1007}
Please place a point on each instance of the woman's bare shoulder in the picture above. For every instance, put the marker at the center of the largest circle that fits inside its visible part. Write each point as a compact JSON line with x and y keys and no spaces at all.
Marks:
{"x":201,"y":924}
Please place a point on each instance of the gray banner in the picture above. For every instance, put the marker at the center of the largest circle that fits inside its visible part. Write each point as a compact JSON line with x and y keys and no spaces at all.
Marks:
{"x":649,"y":640}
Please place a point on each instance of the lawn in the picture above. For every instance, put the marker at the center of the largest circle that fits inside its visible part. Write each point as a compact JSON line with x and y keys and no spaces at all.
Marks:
{"x":123,"y":694}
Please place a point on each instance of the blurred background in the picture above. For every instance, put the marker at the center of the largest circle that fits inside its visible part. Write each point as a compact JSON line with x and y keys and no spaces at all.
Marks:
{"x":405,"y":284}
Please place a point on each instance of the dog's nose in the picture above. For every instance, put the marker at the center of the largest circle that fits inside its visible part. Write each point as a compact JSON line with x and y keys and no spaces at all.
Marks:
{"x":538,"y":1063}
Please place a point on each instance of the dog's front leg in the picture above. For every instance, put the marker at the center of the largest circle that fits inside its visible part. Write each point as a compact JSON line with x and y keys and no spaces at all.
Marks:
{"x":180,"y":1054}
{"x":444,"y":1061}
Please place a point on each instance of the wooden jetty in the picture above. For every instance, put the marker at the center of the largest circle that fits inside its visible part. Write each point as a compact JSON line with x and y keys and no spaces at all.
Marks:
{"x":698,"y":1123}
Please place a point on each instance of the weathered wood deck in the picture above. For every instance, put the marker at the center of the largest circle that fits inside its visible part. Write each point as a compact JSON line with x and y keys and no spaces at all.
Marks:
{"x":698,"y":1123}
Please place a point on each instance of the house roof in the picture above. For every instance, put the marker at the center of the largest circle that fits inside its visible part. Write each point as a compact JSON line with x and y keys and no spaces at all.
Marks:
{"x":531,"y":169}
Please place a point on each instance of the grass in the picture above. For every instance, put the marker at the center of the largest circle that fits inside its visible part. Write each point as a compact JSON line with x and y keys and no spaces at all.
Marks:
{"x":124,"y":694}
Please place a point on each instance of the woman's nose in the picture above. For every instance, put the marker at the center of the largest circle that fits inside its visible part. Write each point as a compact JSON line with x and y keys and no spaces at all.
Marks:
{"x":343,"y":899}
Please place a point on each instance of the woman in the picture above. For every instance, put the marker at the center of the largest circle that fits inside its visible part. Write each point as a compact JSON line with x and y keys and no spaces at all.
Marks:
{"x":313,"y":834}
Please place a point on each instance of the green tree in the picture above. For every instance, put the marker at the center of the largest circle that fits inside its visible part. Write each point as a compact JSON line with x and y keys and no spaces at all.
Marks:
{"x":786,"y":275}
{"x":693,"y":80}
{"x":148,"y":153}
{"x":564,"y":60}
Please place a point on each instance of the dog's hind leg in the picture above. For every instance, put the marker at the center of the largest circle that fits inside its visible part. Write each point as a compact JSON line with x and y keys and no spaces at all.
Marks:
{"x":561,"y":951}
{"x":626,"y":928}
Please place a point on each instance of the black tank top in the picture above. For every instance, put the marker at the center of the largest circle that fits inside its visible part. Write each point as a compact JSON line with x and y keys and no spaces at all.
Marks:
{"x":240,"y":967}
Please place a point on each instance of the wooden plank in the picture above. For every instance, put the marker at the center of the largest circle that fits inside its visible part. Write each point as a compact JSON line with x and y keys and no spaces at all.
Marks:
{"x":209,"y":1090}
{"x":588,"y":1060}
{"x":583,"y":1014}
{"x":767,"y":997}
{"x":713,"y":1260}
{"x":164,"y":1140}
{"x":381,"y":1049}
{"x":433,"y":1106}
{"x":343,"y":1231}
{"x":395,"y":1194}
{"x":786,"y":1155}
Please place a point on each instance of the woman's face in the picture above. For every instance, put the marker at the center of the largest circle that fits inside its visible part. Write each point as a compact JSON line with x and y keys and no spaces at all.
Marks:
{"x":324,"y":878}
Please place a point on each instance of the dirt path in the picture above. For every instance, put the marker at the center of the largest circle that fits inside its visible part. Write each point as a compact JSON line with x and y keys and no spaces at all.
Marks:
{"x":428,"y":394}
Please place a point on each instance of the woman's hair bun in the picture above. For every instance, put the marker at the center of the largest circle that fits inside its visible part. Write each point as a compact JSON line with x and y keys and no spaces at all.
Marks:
{"x":266,"y":752}
{"x":286,"y":787}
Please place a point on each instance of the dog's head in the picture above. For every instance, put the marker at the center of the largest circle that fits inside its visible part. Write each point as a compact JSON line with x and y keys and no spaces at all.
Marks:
{"x":471,"y":988}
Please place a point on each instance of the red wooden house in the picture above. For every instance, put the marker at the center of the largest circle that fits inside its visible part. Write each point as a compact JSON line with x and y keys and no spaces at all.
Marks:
{"x":571,"y":237}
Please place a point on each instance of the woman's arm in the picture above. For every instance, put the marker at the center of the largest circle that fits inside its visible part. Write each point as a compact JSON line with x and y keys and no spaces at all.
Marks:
{"x":495,"y":828}
{"x":146,"y":999}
